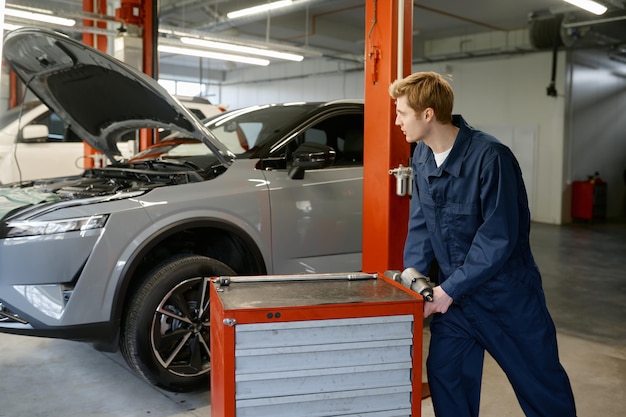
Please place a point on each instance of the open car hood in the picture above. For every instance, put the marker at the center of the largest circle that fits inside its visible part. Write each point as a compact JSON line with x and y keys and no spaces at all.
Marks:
{"x":98,"y":96}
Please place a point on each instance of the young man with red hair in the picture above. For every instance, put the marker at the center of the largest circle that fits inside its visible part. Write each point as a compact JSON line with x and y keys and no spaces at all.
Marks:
{"x":469,"y":213}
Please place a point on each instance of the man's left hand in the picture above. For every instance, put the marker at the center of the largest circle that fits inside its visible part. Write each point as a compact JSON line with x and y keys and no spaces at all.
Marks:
{"x":440,"y":304}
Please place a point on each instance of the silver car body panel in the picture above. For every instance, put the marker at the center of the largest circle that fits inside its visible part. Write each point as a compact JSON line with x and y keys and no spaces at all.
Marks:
{"x":303,"y":208}
{"x":319,"y":208}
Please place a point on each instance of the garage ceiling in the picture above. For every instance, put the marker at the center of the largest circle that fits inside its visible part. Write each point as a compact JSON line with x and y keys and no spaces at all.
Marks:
{"x":336,"y":28}
{"x":339,"y":25}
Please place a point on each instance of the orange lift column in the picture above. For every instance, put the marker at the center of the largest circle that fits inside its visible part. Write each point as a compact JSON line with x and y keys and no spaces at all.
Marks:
{"x":148,"y":137}
{"x":388,"y":53}
{"x":15,"y":94}
{"x":385,"y":214}
{"x":143,"y":13}
{"x":99,"y":42}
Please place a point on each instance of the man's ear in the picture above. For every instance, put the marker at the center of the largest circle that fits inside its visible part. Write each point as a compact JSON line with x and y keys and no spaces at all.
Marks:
{"x":429,"y":114}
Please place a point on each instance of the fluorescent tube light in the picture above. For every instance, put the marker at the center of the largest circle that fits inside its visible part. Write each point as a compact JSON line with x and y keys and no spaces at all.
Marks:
{"x":589,"y":5}
{"x":40,"y":17}
{"x":240,"y":48}
{"x":259,"y":9}
{"x":213,"y":55}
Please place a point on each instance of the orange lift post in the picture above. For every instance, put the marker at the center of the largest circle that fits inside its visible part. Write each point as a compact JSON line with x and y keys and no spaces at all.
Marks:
{"x":15,"y":95}
{"x":388,"y":57}
{"x":99,"y":42}
{"x":142,"y":13}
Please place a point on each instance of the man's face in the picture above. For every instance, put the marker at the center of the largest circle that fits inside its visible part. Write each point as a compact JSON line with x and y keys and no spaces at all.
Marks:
{"x":412,"y":124}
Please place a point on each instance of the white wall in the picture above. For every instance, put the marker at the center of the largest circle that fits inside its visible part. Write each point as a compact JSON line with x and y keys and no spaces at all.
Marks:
{"x":509,"y":95}
{"x":312,"y":80}
{"x":597,"y":127}
{"x":506,"y":95}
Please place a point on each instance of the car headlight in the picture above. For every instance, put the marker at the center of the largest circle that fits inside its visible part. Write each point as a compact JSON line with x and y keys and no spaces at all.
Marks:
{"x":36,"y":228}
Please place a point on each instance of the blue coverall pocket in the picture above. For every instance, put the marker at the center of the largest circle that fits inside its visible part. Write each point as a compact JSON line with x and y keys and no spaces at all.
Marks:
{"x":515,"y":303}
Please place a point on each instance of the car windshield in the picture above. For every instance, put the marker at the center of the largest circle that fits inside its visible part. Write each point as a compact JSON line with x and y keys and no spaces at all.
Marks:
{"x":13,"y":114}
{"x":246,"y":130}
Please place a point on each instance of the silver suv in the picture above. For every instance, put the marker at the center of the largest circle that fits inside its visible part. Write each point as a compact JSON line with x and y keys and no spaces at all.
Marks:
{"x":122,"y":255}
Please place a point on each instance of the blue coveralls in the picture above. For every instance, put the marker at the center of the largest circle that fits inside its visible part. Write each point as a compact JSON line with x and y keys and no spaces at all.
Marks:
{"x":471,"y":215}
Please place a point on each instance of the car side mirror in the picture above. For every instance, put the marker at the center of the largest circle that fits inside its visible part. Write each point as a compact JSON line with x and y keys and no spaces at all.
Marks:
{"x":34,"y":133}
{"x":310,"y":155}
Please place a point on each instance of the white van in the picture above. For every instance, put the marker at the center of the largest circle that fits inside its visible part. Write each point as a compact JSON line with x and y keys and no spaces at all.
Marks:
{"x":39,"y":145}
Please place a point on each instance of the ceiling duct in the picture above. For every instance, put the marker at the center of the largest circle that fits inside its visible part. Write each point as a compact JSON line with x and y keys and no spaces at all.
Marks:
{"x":545,"y":31}
{"x":576,"y":30}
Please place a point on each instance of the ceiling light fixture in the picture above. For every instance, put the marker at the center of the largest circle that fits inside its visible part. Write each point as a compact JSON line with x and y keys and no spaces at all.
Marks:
{"x":241,"y":49}
{"x":40,"y":17}
{"x":213,"y":55}
{"x":589,"y":5}
{"x":259,"y":9}
{"x":173,"y":34}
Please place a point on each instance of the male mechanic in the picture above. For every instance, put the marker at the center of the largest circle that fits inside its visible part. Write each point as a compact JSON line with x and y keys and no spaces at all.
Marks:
{"x":469,"y":212}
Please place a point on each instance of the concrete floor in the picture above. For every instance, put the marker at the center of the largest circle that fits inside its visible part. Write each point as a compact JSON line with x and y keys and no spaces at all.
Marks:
{"x":584,"y":271}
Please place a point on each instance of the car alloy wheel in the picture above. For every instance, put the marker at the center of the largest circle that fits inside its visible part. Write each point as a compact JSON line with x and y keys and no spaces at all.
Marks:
{"x":180,"y":331}
{"x":166,"y":329}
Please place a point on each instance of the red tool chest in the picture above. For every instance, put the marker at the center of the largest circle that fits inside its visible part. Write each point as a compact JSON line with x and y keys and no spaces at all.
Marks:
{"x":315,"y":347}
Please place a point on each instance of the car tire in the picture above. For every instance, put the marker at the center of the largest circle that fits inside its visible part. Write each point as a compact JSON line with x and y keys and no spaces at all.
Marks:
{"x":166,"y":330}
